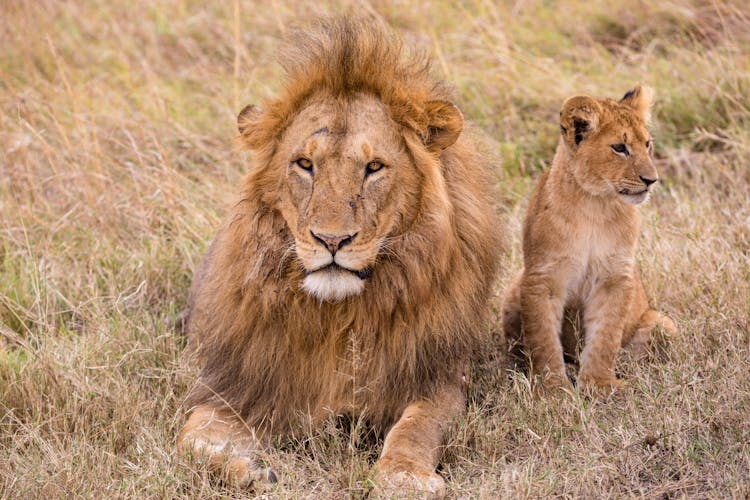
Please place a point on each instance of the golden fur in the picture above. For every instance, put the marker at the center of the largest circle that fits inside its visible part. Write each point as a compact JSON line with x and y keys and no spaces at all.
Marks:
{"x":579,"y":242}
{"x":353,"y":274}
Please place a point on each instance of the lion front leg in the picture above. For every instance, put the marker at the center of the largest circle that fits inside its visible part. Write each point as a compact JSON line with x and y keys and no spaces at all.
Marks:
{"x":223,"y":440}
{"x":412,"y":447}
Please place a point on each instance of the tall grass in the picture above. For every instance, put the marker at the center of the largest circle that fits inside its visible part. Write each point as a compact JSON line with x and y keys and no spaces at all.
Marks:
{"x":117,"y":159}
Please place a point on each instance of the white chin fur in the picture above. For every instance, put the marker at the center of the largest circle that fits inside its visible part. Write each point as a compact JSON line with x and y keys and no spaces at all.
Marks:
{"x":333,"y":285}
{"x":636,"y":199}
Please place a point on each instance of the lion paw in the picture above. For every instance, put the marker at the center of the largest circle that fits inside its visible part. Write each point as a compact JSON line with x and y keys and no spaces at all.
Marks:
{"x":245,"y":473}
{"x":593,"y":385}
{"x":403,"y":484}
{"x":234,"y":465}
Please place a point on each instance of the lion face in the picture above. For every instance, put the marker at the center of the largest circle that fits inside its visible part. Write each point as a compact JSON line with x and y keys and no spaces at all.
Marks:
{"x":348,"y":184}
{"x":610,"y":145}
{"x":346,"y":175}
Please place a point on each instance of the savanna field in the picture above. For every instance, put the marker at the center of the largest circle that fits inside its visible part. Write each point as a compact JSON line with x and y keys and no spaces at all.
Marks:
{"x":118,"y":157}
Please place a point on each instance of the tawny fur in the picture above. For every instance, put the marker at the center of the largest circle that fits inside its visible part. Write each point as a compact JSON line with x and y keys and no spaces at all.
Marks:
{"x":274,"y":353}
{"x":579,"y":241}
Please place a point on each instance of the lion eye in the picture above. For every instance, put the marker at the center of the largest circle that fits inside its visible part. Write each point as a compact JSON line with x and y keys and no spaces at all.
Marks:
{"x":304,"y":164}
{"x":649,"y":144}
{"x":373,"y":167}
{"x":620,"y":149}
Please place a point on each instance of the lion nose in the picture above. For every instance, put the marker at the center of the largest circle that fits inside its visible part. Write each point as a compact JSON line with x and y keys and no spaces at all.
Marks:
{"x":647,"y":181}
{"x":333,"y":242}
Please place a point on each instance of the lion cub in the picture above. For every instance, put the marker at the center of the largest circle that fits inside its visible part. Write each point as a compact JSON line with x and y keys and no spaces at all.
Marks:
{"x":579,"y":242}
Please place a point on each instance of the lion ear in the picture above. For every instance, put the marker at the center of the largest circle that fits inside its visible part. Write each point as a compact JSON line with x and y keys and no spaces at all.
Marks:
{"x":641,"y":99}
{"x":579,"y":119}
{"x":247,"y":118}
{"x":445,"y":123}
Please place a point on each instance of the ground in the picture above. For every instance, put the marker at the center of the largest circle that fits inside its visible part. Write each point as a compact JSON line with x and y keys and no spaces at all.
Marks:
{"x":118,"y":157}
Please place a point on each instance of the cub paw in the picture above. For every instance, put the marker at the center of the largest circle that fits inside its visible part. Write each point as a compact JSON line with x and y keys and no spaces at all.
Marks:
{"x":550,"y":383}
{"x":653,"y":335}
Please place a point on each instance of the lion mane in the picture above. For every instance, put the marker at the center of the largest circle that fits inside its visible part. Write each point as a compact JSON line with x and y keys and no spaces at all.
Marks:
{"x":273,"y":352}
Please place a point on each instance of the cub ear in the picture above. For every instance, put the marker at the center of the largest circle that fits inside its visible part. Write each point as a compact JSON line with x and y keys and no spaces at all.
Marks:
{"x":579,"y":118}
{"x":247,"y":118}
{"x":641,"y":99}
{"x":445,"y":123}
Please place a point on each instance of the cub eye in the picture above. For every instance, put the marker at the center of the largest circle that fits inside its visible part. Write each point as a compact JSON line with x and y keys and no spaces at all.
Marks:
{"x":304,"y":164}
{"x":373,"y":167}
{"x":620,"y":149}
{"x":650,"y":144}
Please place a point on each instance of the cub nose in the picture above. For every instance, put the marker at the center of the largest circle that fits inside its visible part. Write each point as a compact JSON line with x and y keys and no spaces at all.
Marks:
{"x":333,"y":242}
{"x":647,"y":181}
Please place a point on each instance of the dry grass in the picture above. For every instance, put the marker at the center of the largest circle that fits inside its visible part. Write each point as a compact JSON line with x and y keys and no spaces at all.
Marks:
{"x":117,"y":157}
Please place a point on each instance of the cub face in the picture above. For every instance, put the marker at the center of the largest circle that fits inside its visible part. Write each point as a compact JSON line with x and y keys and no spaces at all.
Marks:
{"x":610,"y":145}
{"x":348,"y":182}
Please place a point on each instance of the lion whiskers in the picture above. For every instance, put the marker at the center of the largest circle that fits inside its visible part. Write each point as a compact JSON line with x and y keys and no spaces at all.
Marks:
{"x":288,"y":253}
{"x":384,"y":247}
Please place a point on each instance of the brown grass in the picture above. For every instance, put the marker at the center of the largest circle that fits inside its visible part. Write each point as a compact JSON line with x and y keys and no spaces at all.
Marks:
{"x":117,"y":159}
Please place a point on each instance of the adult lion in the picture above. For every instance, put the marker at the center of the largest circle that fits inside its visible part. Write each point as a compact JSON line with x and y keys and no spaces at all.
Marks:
{"x":352,"y":277}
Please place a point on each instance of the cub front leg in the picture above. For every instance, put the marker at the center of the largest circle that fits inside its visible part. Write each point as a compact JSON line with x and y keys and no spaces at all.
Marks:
{"x":603,"y":323}
{"x":412,"y":447}
{"x":542,"y":306}
{"x":221,"y":438}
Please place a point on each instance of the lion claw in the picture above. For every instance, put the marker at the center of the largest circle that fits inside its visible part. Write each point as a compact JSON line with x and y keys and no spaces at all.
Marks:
{"x":245,"y":473}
